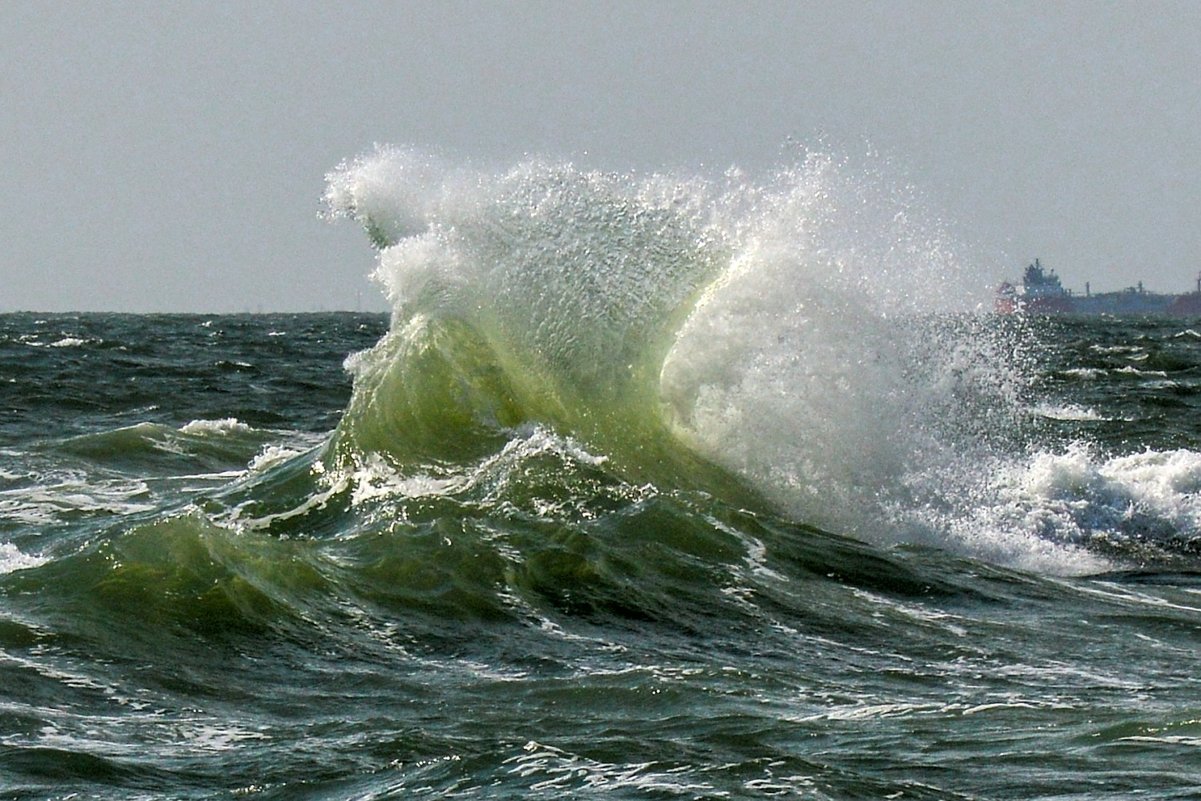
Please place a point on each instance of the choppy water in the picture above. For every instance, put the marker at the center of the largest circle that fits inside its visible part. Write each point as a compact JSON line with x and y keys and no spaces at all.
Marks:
{"x":647,"y":489}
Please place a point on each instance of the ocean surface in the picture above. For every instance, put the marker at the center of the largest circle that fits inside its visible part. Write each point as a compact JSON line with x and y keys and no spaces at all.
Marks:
{"x":648,"y":487}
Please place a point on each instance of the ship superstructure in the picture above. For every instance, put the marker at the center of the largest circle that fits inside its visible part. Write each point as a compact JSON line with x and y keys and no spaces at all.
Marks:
{"x":1042,"y":292}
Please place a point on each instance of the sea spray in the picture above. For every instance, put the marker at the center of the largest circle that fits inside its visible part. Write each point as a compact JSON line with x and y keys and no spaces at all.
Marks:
{"x":813,"y":341}
{"x":544,"y":293}
{"x":832,"y":362}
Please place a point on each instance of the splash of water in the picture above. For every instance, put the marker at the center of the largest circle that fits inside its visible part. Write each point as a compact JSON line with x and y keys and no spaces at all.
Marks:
{"x":812,"y":341}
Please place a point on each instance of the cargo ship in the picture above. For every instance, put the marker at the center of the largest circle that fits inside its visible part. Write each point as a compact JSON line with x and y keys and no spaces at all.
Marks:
{"x":1041,"y":292}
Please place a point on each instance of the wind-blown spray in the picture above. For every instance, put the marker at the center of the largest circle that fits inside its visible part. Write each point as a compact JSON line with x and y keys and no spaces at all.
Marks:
{"x":812,"y":343}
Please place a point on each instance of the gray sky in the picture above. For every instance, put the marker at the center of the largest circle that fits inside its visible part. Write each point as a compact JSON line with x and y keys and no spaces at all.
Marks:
{"x":171,"y":156}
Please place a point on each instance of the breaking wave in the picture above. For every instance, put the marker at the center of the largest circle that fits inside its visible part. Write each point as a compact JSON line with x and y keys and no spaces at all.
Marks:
{"x":809,"y":344}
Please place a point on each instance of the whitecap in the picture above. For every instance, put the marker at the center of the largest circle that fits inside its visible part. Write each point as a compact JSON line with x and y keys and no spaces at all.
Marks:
{"x":1070,"y":412}
{"x":68,"y":342}
{"x":12,"y":558}
{"x":222,"y":427}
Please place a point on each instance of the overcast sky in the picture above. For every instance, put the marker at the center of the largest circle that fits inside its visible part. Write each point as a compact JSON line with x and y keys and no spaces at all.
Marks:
{"x":171,"y":156}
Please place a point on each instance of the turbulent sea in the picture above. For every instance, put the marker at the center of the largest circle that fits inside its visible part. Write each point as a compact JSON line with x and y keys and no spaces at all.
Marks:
{"x":648,"y":487}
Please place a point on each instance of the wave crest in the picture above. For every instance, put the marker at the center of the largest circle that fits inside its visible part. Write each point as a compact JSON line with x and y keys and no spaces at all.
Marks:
{"x":811,"y":343}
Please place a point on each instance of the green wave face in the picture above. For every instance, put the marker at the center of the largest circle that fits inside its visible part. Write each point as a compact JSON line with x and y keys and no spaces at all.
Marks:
{"x":543,"y":295}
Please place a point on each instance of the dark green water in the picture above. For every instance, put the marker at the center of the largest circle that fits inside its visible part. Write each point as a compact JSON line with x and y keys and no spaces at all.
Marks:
{"x":241,"y":609}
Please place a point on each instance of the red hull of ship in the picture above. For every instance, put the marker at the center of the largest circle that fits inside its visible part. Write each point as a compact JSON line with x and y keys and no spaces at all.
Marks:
{"x":1047,"y":305}
{"x":1186,"y":305}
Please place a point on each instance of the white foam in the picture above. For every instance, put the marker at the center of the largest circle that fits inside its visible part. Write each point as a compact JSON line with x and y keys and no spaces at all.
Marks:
{"x":1164,"y":483}
{"x":1072,"y":412}
{"x":222,"y":427}
{"x":8,"y":475}
{"x":372,"y":477}
{"x":1131,"y":370}
{"x":813,"y":365}
{"x":12,"y":559}
{"x":399,"y":190}
{"x":271,"y":456}
{"x":1070,"y":499}
{"x":562,"y":772}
